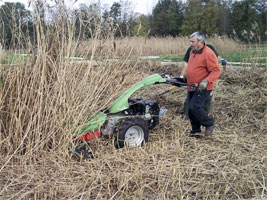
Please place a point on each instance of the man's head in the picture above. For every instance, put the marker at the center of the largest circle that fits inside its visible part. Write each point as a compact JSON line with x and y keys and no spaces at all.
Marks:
{"x":197,"y":40}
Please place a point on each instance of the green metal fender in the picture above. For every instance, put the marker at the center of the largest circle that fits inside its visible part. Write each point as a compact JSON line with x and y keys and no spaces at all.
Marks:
{"x":122,"y":103}
{"x":93,"y":123}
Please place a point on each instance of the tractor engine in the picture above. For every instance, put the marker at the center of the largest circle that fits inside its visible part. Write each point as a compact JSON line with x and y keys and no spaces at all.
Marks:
{"x":147,"y":109}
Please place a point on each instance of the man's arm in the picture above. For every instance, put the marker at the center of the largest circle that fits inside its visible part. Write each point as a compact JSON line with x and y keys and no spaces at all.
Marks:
{"x":183,"y":72}
{"x":213,"y":68}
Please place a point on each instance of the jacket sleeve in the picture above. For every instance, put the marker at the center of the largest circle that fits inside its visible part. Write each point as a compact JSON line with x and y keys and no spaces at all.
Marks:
{"x":187,"y":54}
{"x":213,"y":67}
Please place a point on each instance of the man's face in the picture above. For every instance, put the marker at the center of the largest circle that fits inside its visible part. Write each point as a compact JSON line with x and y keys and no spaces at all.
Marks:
{"x":195,"y":44}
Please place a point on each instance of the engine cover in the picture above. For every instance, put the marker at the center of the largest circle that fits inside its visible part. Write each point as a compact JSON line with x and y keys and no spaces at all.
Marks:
{"x":147,"y":109}
{"x":143,"y":107}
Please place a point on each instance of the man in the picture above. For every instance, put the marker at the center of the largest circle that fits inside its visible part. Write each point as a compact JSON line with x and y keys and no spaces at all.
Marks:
{"x":202,"y":69}
{"x":206,"y":105}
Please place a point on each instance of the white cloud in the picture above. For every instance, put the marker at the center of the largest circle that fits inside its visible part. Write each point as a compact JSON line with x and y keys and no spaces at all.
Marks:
{"x":141,"y":6}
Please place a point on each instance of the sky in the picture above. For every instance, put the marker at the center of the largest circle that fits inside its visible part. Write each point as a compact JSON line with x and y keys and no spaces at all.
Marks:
{"x":141,"y":6}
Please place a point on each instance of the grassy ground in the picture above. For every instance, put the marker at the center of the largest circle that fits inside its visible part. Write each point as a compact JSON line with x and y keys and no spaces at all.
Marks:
{"x":249,"y":56}
{"x":229,"y":165}
{"x":47,"y":97}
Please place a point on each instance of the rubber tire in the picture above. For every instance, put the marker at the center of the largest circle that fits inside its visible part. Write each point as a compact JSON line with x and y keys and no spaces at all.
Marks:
{"x":123,"y":127}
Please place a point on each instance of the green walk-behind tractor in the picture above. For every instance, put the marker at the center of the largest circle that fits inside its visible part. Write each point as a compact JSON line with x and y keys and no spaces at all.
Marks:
{"x":128,"y":120}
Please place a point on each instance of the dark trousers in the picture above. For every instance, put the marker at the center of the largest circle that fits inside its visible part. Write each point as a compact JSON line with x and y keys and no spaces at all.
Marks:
{"x":206,"y":106}
{"x":197,"y":115}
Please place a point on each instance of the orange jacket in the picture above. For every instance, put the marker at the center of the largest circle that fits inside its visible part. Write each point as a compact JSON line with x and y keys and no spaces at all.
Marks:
{"x":203,"y":65}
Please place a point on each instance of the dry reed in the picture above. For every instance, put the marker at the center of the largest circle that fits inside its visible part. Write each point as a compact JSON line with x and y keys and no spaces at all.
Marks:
{"x":45,"y":100}
{"x":154,"y":46}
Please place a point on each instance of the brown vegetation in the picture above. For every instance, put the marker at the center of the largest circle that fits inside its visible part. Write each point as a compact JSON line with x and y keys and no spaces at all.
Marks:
{"x":45,"y":100}
{"x":37,"y":125}
{"x":152,"y":46}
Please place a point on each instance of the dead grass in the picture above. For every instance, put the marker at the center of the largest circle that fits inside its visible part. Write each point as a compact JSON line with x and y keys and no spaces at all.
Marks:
{"x":229,"y":165}
{"x":153,"y":46}
{"x":224,"y":44}
{"x":45,"y":100}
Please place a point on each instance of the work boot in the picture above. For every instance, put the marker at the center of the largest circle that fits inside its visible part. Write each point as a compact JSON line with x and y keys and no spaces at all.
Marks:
{"x":209,"y":130}
{"x":195,"y":131}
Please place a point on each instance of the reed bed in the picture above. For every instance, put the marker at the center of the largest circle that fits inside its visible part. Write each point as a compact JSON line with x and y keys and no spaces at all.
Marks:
{"x":229,"y":165}
{"x":46,"y":99}
{"x":154,"y":46}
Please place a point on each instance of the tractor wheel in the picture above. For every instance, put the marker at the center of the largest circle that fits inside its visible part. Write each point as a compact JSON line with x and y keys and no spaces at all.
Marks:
{"x":131,"y":132}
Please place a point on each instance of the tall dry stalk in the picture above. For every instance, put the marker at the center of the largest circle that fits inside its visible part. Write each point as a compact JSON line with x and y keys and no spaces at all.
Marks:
{"x":155,"y":46}
{"x":46,"y":99}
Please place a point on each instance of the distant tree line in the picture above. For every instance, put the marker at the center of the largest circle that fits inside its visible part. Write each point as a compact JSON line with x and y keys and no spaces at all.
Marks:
{"x":243,"y":19}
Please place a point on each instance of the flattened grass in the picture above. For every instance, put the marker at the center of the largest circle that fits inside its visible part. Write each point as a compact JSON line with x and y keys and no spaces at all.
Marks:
{"x":229,"y":165}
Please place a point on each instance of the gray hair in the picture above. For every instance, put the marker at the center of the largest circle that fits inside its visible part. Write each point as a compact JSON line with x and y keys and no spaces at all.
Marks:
{"x":200,"y":36}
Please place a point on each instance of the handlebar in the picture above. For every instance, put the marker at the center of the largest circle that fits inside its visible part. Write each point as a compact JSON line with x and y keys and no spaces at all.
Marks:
{"x":174,"y":81}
